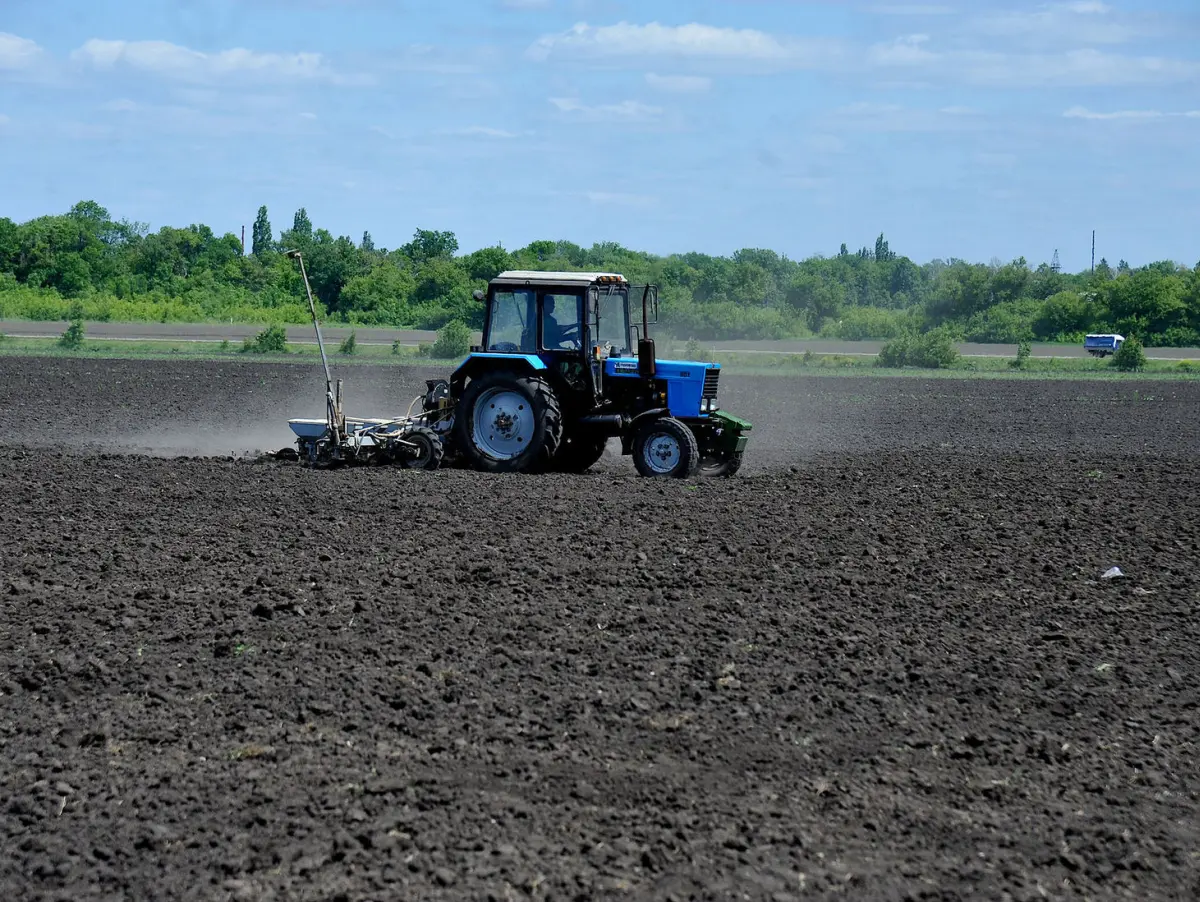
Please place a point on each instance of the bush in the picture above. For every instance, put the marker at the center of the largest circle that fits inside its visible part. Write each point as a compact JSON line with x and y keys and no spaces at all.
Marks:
{"x":396,"y":348}
{"x":929,"y":350}
{"x":271,"y":340}
{"x":1131,"y":357}
{"x":895,"y":353}
{"x":454,"y":340}
{"x":349,"y":346}
{"x":72,"y":339}
{"x":1024,"y":352}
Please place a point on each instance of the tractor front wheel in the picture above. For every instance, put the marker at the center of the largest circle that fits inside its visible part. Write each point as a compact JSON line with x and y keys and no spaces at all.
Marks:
{"x":666,"y":448}
{"x":508,"y":423}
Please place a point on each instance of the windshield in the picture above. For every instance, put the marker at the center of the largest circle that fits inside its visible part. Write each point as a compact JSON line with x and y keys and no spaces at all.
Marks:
{"x":614,"y":319}
{"x":511,"y":325}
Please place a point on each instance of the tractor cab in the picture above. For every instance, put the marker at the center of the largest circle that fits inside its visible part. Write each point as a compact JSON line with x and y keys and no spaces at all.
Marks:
{"x":559,"y":373}
{"x":566,"y":320}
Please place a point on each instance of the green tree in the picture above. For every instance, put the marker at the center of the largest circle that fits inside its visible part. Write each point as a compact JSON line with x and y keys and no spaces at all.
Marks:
{"x":440,"y":277}
{"x":487,"y":263}
{"x":384,"y":295}
{"x":1064,"y":314}
{"x":430,"y":245}
{"x":302,"y":227}
{"x":261,"y":235}
{"x":1008,"y":283}
{"x":332,"y":263}
{"x":1145,"y":302}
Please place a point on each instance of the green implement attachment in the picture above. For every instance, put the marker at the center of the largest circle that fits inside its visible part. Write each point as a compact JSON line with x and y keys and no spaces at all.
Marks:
{"x":733,"y":431}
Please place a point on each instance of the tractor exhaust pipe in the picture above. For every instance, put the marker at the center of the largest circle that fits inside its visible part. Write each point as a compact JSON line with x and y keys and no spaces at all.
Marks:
{"x":618,"y":423}
{"x":606,"y":421}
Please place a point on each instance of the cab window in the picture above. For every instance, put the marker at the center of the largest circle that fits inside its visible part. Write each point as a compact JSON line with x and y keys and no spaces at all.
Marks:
{"x":511,"y":326}
{"x":562,"y":316}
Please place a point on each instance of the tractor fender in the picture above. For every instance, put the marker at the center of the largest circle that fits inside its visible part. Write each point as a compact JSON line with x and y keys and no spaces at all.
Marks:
{"x":631,"y":427}
{"x":478,"y":363}
{"x":651,"y":414}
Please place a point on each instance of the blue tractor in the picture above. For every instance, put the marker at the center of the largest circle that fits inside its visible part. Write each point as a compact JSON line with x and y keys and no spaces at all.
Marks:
{"x":560,"y":373}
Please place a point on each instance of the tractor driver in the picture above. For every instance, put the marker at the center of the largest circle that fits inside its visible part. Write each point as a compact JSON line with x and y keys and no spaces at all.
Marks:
{"x":554,"y":334}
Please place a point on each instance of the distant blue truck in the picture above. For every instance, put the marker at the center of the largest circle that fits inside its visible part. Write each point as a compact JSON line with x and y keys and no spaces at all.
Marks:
{"x":1102,"y":345}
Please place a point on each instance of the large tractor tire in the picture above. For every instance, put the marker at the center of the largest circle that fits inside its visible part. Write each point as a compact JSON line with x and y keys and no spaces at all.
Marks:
{"x":508,"y":423}
{"x":721,"y":466}
{"x":579,"y":454}
{"x":666,"y":449}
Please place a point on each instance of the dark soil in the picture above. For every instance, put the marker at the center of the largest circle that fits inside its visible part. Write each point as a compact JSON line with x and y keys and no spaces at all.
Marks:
{"x":881,"y":665}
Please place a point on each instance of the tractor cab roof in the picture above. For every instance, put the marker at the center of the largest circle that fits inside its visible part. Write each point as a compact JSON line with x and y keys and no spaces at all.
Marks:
{"x":533,"y":277}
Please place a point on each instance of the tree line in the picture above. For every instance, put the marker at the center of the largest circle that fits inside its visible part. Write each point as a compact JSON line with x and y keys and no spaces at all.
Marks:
{"x":86,"y":263}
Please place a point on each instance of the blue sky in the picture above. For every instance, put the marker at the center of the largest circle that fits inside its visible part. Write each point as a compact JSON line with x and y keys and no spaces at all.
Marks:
{"x":958,"y":129}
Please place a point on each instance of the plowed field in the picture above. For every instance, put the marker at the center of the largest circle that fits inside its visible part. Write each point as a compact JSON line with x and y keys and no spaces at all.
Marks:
{"x":882,"y":663}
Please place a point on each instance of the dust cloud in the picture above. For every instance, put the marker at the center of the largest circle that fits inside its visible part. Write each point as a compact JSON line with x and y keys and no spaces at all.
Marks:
{"x":257,"y":420}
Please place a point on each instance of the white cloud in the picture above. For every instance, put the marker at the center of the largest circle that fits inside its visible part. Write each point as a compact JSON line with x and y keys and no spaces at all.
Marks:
{"x":17,"y":52}
{"x":1079,"y":112}
{"x":626,"y":109}
{"x":1053,"y":46}
{"x":123,"y":105}
{"x":308,"y":116}
{"x":687,"y":41}
{"x":173,"y":61}
{"x":678,"y":84}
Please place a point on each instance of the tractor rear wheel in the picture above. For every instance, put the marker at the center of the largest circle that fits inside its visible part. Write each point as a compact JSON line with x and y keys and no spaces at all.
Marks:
{"x":427,"y":455}
{"x":578,"y":454}
{"x":508,"y":423}
{"x":666,"y":448}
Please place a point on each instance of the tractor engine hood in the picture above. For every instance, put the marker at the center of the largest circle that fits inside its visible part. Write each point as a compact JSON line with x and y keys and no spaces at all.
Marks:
{"x":690,"y":384}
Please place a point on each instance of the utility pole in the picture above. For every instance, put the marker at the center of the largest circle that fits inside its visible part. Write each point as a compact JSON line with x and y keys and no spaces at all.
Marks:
{"x":243,"y":241}
{"x":1093,"y":250}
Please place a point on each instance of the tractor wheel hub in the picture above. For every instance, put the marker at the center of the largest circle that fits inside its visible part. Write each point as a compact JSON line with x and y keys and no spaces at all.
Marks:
{"x":504,"y":423}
